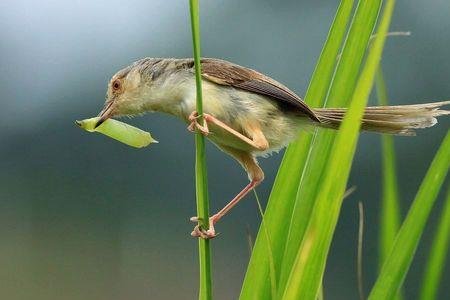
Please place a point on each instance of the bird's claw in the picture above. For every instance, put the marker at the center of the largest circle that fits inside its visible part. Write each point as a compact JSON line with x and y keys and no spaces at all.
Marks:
{"x":193,"y":118}
{"x":200,"y":232}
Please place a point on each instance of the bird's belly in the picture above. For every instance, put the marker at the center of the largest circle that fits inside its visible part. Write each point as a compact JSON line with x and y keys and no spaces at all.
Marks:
{"x":237,"y":108}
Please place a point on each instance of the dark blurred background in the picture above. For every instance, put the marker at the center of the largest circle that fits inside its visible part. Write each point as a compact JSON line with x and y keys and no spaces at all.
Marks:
{"x":85,"y":217}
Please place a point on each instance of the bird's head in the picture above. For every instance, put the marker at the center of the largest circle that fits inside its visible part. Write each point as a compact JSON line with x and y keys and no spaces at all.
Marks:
{"x":138,"y":88}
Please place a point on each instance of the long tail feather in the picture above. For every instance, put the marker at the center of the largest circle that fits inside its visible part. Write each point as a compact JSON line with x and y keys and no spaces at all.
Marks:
{"x":398,"y":120}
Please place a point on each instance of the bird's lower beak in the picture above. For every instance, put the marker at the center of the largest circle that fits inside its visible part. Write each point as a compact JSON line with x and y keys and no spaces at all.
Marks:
{"x":105,"y":114}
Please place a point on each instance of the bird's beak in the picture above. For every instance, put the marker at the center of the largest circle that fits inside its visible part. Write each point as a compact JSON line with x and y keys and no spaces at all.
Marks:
{"x":105,"y":114}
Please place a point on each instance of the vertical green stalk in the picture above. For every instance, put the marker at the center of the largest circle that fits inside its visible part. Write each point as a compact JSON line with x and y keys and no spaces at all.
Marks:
{"x":201,"y":183}
{"x":390,"y":212}
{"x":390,"y":208}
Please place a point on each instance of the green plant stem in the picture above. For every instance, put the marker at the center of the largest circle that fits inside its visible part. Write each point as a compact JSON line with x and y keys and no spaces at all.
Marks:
{"x":359,"y":262}
{"x":390,"y":203}
{"x":201,"y":181}
{"x":390,"y":212}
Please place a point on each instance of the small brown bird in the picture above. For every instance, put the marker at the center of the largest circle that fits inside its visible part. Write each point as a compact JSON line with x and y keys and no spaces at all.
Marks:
{"x":246,"y":113}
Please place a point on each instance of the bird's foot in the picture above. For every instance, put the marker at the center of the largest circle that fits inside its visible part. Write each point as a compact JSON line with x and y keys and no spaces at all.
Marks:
{"x":205,"y":234}
{"x":193,"y":118}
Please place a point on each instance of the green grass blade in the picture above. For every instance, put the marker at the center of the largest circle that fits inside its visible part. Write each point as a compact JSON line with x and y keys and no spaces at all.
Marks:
{"x":307,"y":272}
{"x":438,"y":254}
{"x":272,"y":273}
{"x":359,"y":260}
{"x":390,"y":207}
{"x":205,"y":291}
{"x":320,"y":295}
{"x":343,"y":85}
{"x":397,"y":263}
{"x":390,"y":212}
{"x":257,"y":284}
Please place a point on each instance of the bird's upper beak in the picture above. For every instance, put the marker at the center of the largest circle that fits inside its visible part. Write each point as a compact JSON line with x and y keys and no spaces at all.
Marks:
{"x":106,"y":113}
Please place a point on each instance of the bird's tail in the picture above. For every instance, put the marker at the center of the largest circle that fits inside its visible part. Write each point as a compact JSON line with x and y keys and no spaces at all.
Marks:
{"x":398,"y":120}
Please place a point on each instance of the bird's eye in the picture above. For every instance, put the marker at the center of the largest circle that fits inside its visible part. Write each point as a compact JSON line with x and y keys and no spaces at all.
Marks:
{"x":116,"y":85}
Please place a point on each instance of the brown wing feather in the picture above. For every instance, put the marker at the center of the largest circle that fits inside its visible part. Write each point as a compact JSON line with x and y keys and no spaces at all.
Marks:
{"x":226,"y":73}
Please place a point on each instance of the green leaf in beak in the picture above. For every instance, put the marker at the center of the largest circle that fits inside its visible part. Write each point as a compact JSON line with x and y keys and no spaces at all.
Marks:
{"x":122,"y":132}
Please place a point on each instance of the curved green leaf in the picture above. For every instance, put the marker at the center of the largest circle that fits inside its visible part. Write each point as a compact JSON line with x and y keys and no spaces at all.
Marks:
{"x":396,"y":265}
{"x":279,"y":208}
{"x":342,"y":88}
{"x":307,"y":271}
{"x":438,"y":254}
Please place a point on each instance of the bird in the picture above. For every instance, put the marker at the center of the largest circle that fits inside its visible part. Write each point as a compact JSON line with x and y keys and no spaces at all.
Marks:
{"x":246,"y":114}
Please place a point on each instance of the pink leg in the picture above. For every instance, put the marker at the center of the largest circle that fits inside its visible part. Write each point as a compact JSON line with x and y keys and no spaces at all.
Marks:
{"x":246,"y":159}
{"x":211,"y":233}
{"x":259,"y":141}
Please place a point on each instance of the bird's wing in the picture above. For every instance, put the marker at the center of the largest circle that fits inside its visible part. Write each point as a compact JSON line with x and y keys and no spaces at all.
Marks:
{"x":226,"y":73}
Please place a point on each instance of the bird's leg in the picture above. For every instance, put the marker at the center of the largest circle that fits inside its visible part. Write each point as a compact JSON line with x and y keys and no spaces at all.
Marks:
{"x":259,"y":140}
{"x":256,"y":176}
{"x":211,"y":232}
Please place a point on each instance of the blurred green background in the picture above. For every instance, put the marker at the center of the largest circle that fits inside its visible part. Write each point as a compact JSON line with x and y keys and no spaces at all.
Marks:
{"x":84,"y":217}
